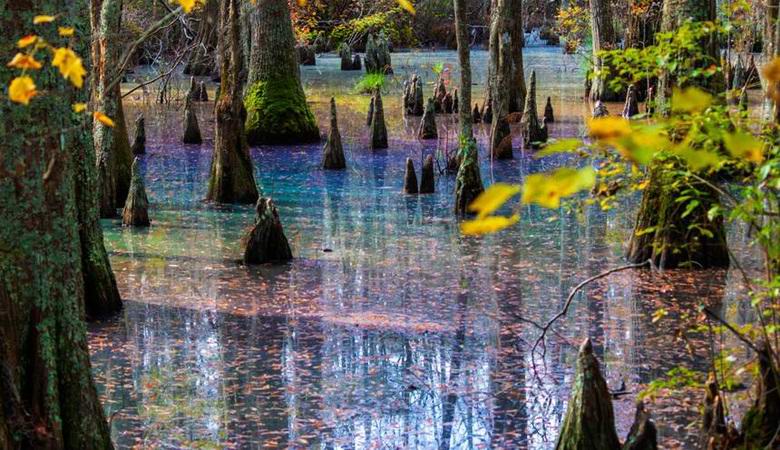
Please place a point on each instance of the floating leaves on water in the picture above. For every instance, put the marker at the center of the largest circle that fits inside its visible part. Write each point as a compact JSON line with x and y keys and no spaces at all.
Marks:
{"x":22,"y":89}
{"x":22,"y":61}
{"x":493,"y":198}
{"x":70,"y":66}
{"x":547,"y":189}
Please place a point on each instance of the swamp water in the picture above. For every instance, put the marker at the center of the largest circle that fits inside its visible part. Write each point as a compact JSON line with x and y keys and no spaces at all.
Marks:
{"x":389,"y":329}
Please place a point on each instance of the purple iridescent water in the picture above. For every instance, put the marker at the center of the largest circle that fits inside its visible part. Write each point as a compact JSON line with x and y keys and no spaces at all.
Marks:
{"x":389,"y":329}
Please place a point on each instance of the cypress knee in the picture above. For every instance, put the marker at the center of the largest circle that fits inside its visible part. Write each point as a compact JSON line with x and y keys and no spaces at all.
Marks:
{"x":533,"y":133}
{"x":428,"y":123}
{"x":589,"y":422}
{"x":193,"y":93}
{"x":266,"y":242}
{"x":345,"y":53}
{"x":136,"y":210}
{"x":410,"y":178}
{"x":549,"y":114}
{"x":476,"y":116}
{"x":191,"y":128}
{"x":378,"y":129}
{"x":203,"y":94}
{"x":427,"y":181}
{"x":631,"y":108}
{"x":139,"y":143}
{"x":600,"y":110}
{"x":370,"y":115}
{"x":455,"y":101}
{"x":446,"y":104}
{"x":487,"y":114}
{"x":643,"y":434}
{"x":416,"y":108}
{"x":333,"y":153}
{"x":356,"y":64}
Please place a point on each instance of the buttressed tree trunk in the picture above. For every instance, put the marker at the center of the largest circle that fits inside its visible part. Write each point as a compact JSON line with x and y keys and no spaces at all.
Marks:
{"x":468,"y":184}
{"x":112,"y":145}
{"x":276,"y":107}
{"x":604,"y":38}
{"x":232,"y":177}
{"x":47,"y":394}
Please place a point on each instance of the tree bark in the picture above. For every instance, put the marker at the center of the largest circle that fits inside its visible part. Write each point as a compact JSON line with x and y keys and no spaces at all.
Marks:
{"x":501,"y":77}
{"x":112,"y":145}
{"x":468,"y":184}
{"x":202,"y":59}
{"x":517,"y":88}
{"x":232,"y":176}
{"x":277,"y":112}
{"x":604,"y":38}
{"x":47,"y":394}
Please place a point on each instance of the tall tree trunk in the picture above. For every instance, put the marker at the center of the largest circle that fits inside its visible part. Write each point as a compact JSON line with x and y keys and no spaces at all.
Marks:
{"x":112,"y":145}
{"x":202,"y":58}
{"x":47,"y":394}
{"x":771,"y":50}
{"x":500,"y":79}
{"x":468,"y":184}
{"x":517,"y":89}
{"x":232,"y":179}
{"x":644,"y":21}
{"x":277,"y":112}
{"x":604,"y":38}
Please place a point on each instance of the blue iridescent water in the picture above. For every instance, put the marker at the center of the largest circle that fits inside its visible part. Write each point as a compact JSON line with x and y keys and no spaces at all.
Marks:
{"x":389,"y":329}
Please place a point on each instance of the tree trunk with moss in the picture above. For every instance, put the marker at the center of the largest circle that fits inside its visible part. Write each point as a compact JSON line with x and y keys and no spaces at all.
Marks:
{"x":500,"y":79}
{"x":112,"y":145}
{"x":202,"y":58}
{"x":604,"y":38}
{"x":277,"y":112}
{"x":47,"y":394}
{"x":468,"y":183}
{"x":232,"y":176}
{"x":667,"y":232}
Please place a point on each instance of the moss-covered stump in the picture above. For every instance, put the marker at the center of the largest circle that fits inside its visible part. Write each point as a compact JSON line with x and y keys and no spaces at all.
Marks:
{"x":476,"y":114}
{"x":468,"y":181}
{"x":139,"y":142}
{"x":277,"y":113}
{"x":600,"y":110}
{"x":590,"y":422}
{"x":534,"y":134}
{"x":378,"y":128}
{"x":427,"y":180}
{"x":266,"y":242}
{"x":370,"y":115}
{"x":427,"y":128}
{"x":333,"y":152}
{"x":191,"y":128}
{"x":549,"y":113}
{"x":631,"y":107}
{"x":761,"y":422}
{"x":136,"y":210}
{"x":410,"y":178}
{"x":643,"y":434}
{"x":306,"y":55}
{"x":667,"y":233}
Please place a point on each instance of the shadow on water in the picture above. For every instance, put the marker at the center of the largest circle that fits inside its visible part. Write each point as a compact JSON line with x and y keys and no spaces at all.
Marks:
{"x":389,"y":329}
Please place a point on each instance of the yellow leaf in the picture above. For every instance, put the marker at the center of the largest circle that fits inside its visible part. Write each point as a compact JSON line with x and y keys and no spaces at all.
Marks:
{"x":70,"y":66}
{"x":301,"y":2}
{"x":66,"y":31}
{"x":492,"y":198}
{"x":21,"y":90}
{"x":104,"y":119}
{"x":690,"y":100}
{"x":22,"y":61}
{"x":79,"y":107}
{"x":188,"y":5}
{"x":27,"y":40}
{"x":547,"y":189}
{"x":744,"y":145}
{"x":607,"y":128}
{"x":43,"y":19}
{"x":489,"y":224}
{"x":407,"y":5}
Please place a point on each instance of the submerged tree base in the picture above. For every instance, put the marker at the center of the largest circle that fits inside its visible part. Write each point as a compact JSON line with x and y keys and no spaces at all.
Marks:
{"x":277,"y":113}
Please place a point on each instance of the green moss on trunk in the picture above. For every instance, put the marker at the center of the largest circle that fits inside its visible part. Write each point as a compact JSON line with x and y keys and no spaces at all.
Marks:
{"x":277,"y":113}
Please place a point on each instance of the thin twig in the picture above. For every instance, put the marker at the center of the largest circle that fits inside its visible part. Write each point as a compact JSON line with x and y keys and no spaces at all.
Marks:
{"x":162,"y":75}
